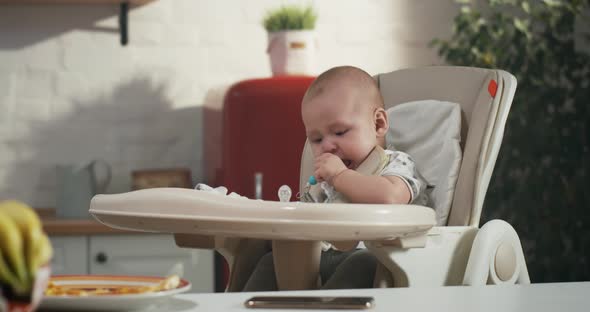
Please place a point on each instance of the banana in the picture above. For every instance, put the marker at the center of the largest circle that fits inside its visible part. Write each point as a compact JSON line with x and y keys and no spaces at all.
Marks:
{"x":28,"y":223}
{"x":42,"y":254}
{"x":8,"y":278}
{"x":31,"y":231}
{"x":11,"y":245}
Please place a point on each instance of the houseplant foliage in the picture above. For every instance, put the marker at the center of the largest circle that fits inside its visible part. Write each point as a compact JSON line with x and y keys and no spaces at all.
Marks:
{"x":291,"y":40}
{"x":541,"y":178}
{"x":290,"y":18}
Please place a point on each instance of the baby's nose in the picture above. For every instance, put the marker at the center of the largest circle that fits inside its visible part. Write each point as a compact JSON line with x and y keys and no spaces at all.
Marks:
{"x":328,"y":146}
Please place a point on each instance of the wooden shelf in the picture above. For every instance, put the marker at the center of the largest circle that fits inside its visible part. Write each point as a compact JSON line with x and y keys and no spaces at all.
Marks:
{"x":134,"y":2}
{"x":53,"y":225}
{"x":123,"y":12}
{"x":79,"y":227}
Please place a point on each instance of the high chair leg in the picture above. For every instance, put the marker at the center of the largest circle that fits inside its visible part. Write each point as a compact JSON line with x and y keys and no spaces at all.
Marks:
{"x":297,"y":264}
{"x":383,"y":278}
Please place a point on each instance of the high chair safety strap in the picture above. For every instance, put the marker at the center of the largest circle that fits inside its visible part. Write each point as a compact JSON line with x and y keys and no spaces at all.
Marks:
{"x":372,"y":165}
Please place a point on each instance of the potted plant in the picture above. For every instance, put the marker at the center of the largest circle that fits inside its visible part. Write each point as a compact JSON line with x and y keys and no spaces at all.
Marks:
{"x":291,"y":40}
{"x":541,"y":176}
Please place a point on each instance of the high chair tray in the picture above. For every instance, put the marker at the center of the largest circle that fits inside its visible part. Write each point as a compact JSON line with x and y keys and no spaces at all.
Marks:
{"x":177,"y":210}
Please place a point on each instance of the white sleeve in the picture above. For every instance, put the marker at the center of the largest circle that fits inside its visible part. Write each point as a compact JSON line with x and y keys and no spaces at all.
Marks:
{"x":402,"y":165}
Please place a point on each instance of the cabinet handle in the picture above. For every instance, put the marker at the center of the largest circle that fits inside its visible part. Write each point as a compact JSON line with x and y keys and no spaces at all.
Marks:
{"x":101,"y":257}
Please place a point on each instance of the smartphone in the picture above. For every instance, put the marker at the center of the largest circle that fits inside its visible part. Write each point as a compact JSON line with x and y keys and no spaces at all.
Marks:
{"x":308,"y":302}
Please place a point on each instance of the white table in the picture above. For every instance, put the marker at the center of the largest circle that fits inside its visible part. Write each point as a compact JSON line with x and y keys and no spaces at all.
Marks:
{"x":534,"y":298}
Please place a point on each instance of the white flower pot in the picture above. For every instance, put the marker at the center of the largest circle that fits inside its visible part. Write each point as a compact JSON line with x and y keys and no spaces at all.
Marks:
{"x":292,"y":52}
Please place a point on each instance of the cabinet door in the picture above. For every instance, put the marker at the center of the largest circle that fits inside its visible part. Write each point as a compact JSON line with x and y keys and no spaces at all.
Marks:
{"x":70,"y":255}
{"x":153,"y":255}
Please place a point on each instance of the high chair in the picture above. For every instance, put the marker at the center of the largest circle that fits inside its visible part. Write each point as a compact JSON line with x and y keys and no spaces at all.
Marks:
{"x":415,"y":245}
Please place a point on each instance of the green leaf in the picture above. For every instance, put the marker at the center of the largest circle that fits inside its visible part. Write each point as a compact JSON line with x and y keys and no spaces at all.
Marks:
{"x":526,"y":7}
{"x":290,"y":18}
{"x":523,"y":26}
{"x":552,"y":3}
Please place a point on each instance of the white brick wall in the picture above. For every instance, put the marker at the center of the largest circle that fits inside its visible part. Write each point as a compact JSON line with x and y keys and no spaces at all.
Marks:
{"x":70,"y":93}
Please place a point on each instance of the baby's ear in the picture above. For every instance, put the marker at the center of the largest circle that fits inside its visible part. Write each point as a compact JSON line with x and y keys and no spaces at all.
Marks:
{"x":381,"y":122}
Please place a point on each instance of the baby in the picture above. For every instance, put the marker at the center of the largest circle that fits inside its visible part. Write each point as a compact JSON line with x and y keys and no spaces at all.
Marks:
{"x":345,"y":121}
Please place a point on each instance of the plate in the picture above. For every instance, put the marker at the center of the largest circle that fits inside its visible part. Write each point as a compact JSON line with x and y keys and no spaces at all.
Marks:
{"x":115,"y":302}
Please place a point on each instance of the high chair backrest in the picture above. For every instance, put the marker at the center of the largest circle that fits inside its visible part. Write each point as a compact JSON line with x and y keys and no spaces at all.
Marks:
{"x":485,"y":96}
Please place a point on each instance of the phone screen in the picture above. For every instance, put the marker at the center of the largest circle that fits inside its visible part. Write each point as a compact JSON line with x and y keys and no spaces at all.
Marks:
{"x":308,"y":302}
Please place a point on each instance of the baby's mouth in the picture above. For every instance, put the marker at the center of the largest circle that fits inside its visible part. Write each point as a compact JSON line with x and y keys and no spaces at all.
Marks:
{"x":347,"y":163}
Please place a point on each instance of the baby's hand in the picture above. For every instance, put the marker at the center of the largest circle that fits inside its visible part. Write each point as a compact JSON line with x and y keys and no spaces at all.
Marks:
{"x":328,"y":166}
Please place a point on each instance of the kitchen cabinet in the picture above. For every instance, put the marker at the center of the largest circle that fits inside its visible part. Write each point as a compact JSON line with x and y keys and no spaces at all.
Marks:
{"x":132,"y":254}
{"x":70,"y":255}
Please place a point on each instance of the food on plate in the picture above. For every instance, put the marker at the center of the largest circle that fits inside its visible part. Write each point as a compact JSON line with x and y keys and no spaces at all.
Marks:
{"x":82,"y":290}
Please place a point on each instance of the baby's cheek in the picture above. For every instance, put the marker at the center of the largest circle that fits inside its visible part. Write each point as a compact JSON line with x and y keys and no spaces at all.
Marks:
{"x":316,"y":152}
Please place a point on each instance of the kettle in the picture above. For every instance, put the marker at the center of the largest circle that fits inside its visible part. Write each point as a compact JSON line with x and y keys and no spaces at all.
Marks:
{"x":77,"y":184}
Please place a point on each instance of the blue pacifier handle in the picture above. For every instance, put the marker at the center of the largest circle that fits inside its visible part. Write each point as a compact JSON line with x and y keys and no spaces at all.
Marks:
{"x":312,"y":180}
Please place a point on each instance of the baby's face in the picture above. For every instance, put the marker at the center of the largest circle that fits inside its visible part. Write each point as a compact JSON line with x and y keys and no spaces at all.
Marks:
{"x":337,"y":121}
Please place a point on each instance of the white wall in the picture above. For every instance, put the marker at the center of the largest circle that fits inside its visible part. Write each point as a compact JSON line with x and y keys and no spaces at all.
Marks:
{"x":69,"y":92}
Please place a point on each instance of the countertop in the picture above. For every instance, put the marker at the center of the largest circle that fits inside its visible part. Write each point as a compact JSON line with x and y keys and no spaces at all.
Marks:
{"x":534,"y":297}
{"x":53,"y":225}
{"x":571,"y":296}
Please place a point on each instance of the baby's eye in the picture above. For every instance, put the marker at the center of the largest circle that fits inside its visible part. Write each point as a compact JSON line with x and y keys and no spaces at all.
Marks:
{"x":316,"y":141}
{"x":341,"y":133}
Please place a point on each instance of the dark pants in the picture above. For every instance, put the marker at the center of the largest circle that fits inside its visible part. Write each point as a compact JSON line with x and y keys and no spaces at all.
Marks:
{"x":338,"y":270}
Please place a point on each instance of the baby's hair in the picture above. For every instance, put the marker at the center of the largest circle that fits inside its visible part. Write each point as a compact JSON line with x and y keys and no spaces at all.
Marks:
{"x":361,"y":78}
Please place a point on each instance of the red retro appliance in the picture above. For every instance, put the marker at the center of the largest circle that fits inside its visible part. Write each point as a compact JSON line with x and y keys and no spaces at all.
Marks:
{"x":263,"y":136}
{"x":262,"y":139}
